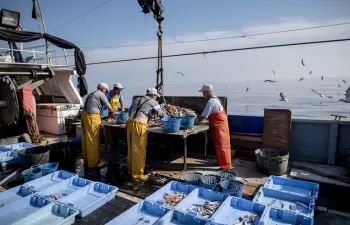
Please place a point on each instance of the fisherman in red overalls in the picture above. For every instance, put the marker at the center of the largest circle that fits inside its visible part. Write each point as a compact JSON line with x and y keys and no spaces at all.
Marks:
{"x":218,"y":123}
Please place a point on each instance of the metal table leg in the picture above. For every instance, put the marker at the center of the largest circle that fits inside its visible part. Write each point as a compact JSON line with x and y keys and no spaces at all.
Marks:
{"x":205,"y":143}
{"x":185,"y":153}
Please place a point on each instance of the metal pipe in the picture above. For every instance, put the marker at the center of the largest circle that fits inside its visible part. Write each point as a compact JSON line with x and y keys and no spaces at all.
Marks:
{"x":3,"y":104}
{"x":44,"y":28}
{"x":185,"y":153}
{"x":24,"y":73}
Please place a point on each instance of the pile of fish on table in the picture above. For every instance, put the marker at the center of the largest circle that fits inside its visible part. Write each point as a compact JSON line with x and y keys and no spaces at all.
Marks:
{"x":172,"y":110}
{"x":206,"y":210}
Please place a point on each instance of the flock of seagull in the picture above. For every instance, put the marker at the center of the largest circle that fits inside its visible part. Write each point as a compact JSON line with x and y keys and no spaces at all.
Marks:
{"x":284,"y":98}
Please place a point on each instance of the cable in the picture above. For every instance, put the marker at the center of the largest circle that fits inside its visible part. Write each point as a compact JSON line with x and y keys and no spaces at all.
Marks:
{"x":76,"y":18}
{"x":229,"y":37}
{"x":220,"y":51}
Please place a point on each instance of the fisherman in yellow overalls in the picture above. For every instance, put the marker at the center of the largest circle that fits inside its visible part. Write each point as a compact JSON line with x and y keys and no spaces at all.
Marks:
{"x":141,"y":110}
{"x":114,"y":97}
{"x":91,"y":122}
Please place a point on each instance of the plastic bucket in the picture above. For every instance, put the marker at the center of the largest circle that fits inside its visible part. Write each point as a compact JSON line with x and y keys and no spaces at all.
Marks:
{"x":232,"y":187}
{"x":187,"y":122}
{"x":34,"y":156}
{"x":48,"y":168}
{"x":227,"y":174}
{"x":272,"y":161}
{"x":121,"y":117}
{"x":171,"y":124}
{"x":210,"y":181}
{"x":193,"y":178}
{"x":32,"y":173}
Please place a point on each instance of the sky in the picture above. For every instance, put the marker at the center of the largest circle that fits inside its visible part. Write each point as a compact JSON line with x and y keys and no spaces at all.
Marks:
{"x":121,"y":22}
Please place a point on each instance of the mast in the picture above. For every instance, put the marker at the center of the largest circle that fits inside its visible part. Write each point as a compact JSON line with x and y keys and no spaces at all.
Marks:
{"x":44,"y":28}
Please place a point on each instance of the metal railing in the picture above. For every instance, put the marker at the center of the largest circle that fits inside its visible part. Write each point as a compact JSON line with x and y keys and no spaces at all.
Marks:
{"x":34,"y":59}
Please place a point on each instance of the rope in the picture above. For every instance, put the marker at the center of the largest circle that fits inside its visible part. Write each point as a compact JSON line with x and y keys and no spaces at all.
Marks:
{"x":33,"y":129}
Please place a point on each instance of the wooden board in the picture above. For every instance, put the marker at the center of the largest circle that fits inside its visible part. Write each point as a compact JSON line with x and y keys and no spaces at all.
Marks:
{"x":277,"y":126}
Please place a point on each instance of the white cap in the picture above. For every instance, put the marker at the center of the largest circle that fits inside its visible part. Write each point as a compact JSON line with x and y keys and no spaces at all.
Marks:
{"x":118,"y":85}
{"x":103,"y":85}
{"x":152,"y":91}
{"x":207,"y":87}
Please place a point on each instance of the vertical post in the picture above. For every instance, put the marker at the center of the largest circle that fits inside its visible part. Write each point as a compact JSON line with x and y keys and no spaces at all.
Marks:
{"x":34,"y":57}
{"x":12,"y":55}
{"x":65,"y":56}
{"x":185,"y":153}
{"x":205,"y":143}
{"x":48,"y":60}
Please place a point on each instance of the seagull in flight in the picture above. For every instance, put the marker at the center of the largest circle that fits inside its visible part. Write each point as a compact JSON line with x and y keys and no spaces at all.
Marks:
{"x":347,"y":96}
{"x":321,"y":95}
{"x":310,"y":72}
{"x":242,"y":77}
{"x":301,"y":79}
{"x":339,"y":86}
{"x":273,"y":71}
{"x":321,"y":77}
{"x":247,"y":89}
{"x":302,"y":62}
{"x":283,"y":97}
{"x":271,"y":81}
{"x":229,"y":86}
{"x":344,"y":81}
{"x":178,"y":72}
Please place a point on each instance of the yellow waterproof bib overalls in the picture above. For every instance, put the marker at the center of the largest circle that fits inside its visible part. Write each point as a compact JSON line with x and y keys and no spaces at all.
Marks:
{"x":137,"y":134}
{"x":90,"y":137}
{"x":114,"y":103}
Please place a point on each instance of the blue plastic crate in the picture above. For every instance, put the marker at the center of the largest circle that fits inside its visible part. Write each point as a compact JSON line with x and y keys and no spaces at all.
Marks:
{"x":198,"y":197}
{"x":22,"y":208}
{"x":55,"y":213}
{"x":284,"y":200}
{"x":20,"y":146}
{"x":178,"y":218}
{"x":48,"y":180}
{"x":19,"y":192}
{"x":65,"y":187}
{"x":293,"y":186}
{"x":143,"y":213}
{"x":172,"y":187}
{"x":8,"y":159}
{"x":233,"y":208}
{"x":285,"y":217}
{"x":90,"y":197}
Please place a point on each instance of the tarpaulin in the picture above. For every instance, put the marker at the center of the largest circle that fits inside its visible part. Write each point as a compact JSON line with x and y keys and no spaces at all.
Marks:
{"x":221,"y":134}
{"x":27,"y":99}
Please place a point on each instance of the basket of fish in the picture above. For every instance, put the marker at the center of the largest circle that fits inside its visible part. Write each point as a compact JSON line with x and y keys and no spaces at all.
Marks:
{"x":187,"y":122}
{"x":172,"y":110}
{"x":193,"y":178}
{"x":171,"y":124}
{"x":210,"y":181}
{"x":48,"y":168}
{"x":32,"y":173}
{"x":227,"y":174}
{"x":201,"y":203}
{"x":171,"y":194}
{"x":232,"y":187}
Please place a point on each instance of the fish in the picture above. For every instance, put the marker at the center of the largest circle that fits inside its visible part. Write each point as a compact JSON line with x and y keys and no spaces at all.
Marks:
{"x":173,"y":199}
{"x":172,"y":110}
{"x":241,"y":221}
{"x":292,"y":207}
{"x":207,"y":209}
{"x":271,"y":202}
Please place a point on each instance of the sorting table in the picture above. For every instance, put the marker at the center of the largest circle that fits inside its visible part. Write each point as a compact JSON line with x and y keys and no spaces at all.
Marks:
{"x":202,"y":128}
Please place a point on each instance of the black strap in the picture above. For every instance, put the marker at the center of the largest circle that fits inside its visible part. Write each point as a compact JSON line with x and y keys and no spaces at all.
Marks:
{"x":139,"y":107}
{"x":218,"y":100}
{"x":88,"y":98}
